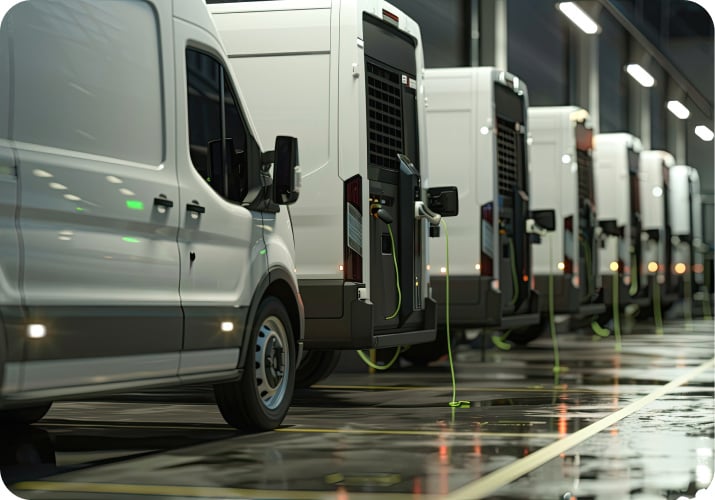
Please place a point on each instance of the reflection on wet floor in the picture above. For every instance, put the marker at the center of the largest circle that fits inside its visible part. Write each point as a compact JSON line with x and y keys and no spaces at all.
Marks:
{"x":393,"y":434}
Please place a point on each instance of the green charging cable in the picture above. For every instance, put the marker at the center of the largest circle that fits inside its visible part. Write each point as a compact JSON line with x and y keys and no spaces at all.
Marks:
{"x":552,"y":321}
{"x":499,"y":341}
{"x":590,"y":285}
{"x":375,"y":366}
{"x":454,"y":403}
{"x":616,"y":312}
{"x":595,"y":327}
{"x":397,"y":275}
{"x":688,"y":295}
{"x":392,"y":361}
{"x":514,"y":277}
{"x":656,"y":307}
{"x":633,"y":289}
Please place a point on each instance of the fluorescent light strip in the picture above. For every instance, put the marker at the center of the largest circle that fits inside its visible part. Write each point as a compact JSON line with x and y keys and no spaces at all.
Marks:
{"x":579,"y":17}
{"x":704,"y":133}
{"x":678,"y":109}
{"x":640,"y":75}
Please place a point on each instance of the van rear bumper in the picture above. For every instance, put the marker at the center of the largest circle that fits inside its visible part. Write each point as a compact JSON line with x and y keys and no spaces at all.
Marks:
{"x":567,"y":298}
{"x":624,"y":298}
{"x":336,"y":319}
{"x":472,"y":301}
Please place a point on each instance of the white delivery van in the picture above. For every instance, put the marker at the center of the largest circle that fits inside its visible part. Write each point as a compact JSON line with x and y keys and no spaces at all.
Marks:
{"x":477,"y":134}
{"x":142,"y":237}
{"x":616,"y":165}
{"x":686,"y":225}
{"x":656,"y":208}
{"x":562,"y":178}
{"x":345,"y":77}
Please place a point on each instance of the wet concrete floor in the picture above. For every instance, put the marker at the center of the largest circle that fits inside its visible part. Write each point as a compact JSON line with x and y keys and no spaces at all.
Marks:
{"x":636,"y":424}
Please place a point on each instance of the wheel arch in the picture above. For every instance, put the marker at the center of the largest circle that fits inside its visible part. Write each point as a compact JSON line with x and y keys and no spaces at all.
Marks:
{"x":278,"y":283}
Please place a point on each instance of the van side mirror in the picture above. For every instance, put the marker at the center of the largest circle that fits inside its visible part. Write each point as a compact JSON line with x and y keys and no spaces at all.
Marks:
{"x":443,"y":200}
{"x":286,"y":171}
{"x":609,"y":227}
{"x":545,"y":219}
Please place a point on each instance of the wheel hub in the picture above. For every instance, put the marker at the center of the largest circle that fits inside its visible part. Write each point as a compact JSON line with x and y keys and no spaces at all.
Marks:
{"x":271,"y":362}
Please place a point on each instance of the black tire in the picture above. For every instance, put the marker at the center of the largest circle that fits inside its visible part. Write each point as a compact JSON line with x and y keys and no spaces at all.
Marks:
{"x":522,"y":336}
{"x":315,"y":366}
{"x":260,"y":400}
{"x":424,"y":354}
{"x":26,"y":415}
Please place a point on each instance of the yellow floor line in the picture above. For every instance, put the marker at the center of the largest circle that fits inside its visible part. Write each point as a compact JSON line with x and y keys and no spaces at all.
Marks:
{"x":155,"y":427}
{"x":308,"y":430}
{"x":484,"y":486}
{"x":461,"y":388}
{"x":194,"y":491}
{"x":445,"y":433}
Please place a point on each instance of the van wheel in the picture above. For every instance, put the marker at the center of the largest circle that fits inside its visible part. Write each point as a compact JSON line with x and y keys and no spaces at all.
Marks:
{"x":26,"y":415}
{"x":522,"y":336}
{"x":424,"y":354}
{"x":260,"y":399}
{"x":316,"y":366}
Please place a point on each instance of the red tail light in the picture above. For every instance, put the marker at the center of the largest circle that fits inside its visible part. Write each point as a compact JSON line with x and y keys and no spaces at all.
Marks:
{"x":352,"y":236}
{"x":568,"y":243}
{"x":487,"y":262}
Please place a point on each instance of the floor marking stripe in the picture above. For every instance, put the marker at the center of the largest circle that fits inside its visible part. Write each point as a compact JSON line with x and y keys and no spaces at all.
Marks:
{"x":443,"y":433}
{"x":461,"y":388}
{"x":491,"y":482}
{"x":156,"y":427}
{"x":306,"y":430}
{"x":192,"y":491}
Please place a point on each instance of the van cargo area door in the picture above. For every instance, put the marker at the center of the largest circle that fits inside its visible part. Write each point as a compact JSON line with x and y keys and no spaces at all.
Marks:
{"x":391,"y":110}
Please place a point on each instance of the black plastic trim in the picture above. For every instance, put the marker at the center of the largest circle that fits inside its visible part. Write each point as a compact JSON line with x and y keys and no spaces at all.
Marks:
{"x":473,"y":302}
{"x":351,"y":326}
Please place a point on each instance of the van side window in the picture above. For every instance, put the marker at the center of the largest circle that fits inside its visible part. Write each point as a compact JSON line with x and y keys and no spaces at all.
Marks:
{"x":217,"y":134}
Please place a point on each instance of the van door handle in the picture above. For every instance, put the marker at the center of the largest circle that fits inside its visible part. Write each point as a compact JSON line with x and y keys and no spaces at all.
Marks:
{"x":163,"y":202}
{"x":195,"y":208}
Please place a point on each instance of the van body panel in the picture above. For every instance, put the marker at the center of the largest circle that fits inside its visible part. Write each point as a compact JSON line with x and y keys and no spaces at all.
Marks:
{"x":686,"y":220}
{"x":477,"y":123}
{"x":616,"y":165}
{"x":93,"y":237}
{"x":656,"y":230}
{"x":562,"y":180}
{"x":311,"y":81}
{"x":139,"y":270}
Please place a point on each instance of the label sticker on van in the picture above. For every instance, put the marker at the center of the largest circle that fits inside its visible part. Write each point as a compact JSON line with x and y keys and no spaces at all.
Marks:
{"x":409,"y":82}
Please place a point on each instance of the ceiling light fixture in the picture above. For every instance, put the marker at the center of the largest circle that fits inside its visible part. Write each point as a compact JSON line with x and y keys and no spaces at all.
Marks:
{"x":579,"y":17}
{"x":704,"y":133}
{"x":640,"y":75}
{"x":678,"y":109}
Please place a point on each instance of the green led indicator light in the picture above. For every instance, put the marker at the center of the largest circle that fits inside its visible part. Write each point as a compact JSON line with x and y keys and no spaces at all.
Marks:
{"x":79,"y":209}
{"x":130,"y":240}
{"x":263,"y":252}
{"x":135,"y":205}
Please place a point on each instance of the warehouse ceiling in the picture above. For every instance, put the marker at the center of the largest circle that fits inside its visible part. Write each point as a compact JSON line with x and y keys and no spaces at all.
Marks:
{"x":682,"y":31}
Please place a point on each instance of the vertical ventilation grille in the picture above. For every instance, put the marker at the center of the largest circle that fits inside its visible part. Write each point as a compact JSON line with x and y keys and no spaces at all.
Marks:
{"x":384,"y":114}
{"x":585,"y":175}
{"x":507,"y":157}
